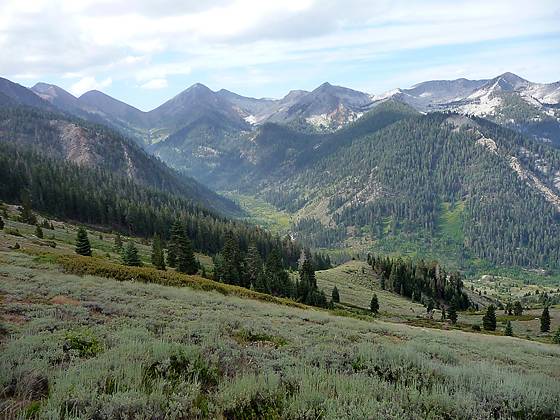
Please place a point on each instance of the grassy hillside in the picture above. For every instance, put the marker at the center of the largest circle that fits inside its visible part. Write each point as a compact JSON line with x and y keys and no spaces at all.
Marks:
{"x":83,"y":347}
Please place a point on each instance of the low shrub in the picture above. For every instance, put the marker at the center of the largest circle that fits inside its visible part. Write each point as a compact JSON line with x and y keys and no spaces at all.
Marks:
{"x":80,"y":265}
{"x":84,"y":342}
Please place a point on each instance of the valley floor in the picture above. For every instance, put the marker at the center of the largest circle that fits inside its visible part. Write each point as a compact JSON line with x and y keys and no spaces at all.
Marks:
{"x":91,"y":347}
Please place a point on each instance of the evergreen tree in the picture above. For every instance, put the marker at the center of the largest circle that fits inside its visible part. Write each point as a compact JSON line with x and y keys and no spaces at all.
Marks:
{"x":26,"y":213}
{"x":38,"y":232}
{"x":231,"y":271}
{"x":83,"y":246}
{"x":443,"y":314}
{"x":253,"y":266}
{"x":374,"y":304}
{"x":556,"y":338}
{"x":276,"y":278}
{"x":335,"y":295}
{"x":186,"y":261}
{"x":517,"y":308}
{"x":158,"y":259}
{"x":489,"y":319}
{"x":452,"y":313}
{"x":545,"y":320}
{"x":509,"y":330}
{"x":307,"y":291}
{"x":118,"y":243}
{"x":1,"y":223}
{"x":173,"y":244}
{"x":130,"y":255}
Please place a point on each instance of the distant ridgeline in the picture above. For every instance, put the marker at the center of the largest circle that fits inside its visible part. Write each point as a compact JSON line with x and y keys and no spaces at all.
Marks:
{"x":420,"y":282}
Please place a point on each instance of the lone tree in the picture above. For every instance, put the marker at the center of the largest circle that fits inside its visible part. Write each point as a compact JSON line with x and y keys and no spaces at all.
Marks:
{"x":38,"y":232}
{"x":517,"y":308}
{"x":452,"y":313}
{"x":489,"y":319}
{"x":335,"y":295}
{"x":1,"y":223}
{"x":545,"y":320}
{"x":158,"y":259}
{"x":26,"y":214}
{"x":556,"y":338}
{"x":374,"y":304}
{"x":83,"y":246}
{"x":130,"y":255}
{"x":509,"y":330}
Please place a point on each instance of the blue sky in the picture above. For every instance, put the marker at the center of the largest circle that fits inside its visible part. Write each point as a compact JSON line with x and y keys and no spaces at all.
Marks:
{"x":144,"y":52}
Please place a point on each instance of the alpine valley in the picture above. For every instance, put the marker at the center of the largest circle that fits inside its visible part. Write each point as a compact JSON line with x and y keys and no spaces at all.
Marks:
{"x":466,"y":171}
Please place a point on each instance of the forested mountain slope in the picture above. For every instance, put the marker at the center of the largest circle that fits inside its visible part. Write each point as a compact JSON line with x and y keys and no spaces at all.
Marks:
{"x":97,"y":146}
{"x":407,"y":179}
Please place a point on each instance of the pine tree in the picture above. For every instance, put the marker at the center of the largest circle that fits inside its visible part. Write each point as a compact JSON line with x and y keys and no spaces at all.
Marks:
{"x":253,"y":266}
{"x":186,"y":261}
{"x":26,"y":214}
{"x":489,"y":319}
{"x":230,"y":271}
{"x":130,"y":255}
{"x":452,"y":313}
{"x":307,"y":285}
{"x":83,"y":246}
{"x":517,"y":308}
{"x":374,"y":304}
{"x":1,"y":223}
{"x":509,"y":330}
{"x":276,"y":279}
{"x":335,"y":295}
{"x":173,"y":244}
{"x":158,"y":259}
{"x":443,"y":314}
{"x":545,"y":320}
{"x":38,"y":232}
{"x":118,"y":243}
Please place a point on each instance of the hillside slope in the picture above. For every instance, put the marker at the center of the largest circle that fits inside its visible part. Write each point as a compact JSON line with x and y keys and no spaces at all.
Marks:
{"x":91,"y":347}
{"x":86,"y":144}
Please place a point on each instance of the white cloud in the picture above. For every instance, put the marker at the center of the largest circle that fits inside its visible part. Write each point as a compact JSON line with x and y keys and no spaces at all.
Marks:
{"x":89,"y":83}
{"x":155,"y":84}
{"x":142,"y":40}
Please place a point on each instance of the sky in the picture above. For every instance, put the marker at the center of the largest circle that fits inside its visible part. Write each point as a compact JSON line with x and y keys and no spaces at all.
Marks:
{"x":144,"y":52}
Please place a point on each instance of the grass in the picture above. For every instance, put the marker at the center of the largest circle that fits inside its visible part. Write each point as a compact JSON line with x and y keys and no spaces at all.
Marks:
{"x":125,"y":349}
{"x":450,"y":221}
{"x":356,"y":284}
{"x":262,"y":213}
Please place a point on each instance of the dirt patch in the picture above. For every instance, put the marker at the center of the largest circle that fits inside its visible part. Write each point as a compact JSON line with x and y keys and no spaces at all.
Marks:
{"x":64,"y":300}
{"x":15,"y":318}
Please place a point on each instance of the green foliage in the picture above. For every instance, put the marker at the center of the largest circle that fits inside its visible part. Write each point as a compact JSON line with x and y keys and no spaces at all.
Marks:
{"x":517,"y":308}
{"x":508,"y":330}
{"x":83,"y":246}
{"x":118,"y":243}
{"x":130,"y":255}
{"x":247,"y":336}
{"x":415,"y":279}
{"x":556,"y":338}
{"x":26,"y":215}
{"x":39,"y":232}
{"x":84,"y":342}
{"x":157,"y":257}
{"x":545,"y":320}
{"x":489,"y":319}
{"x":98,"y":267}
{"x":335,"y":296}
{"x":452,"y":313}
{"x":1,"y":223}
{"x":374,"y":304}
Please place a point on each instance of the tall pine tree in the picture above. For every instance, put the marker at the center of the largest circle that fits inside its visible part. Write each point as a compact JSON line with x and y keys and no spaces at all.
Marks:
{"x":545,"y":320}
{"x":130,"y":255}
{"x":374,"y":304}
{"x":158,"y":259}
{"x":83,"y":246}
{"x":489,"y":319}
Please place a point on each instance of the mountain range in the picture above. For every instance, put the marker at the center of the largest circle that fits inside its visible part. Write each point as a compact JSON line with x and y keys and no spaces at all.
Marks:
{"x":460,"y":169}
